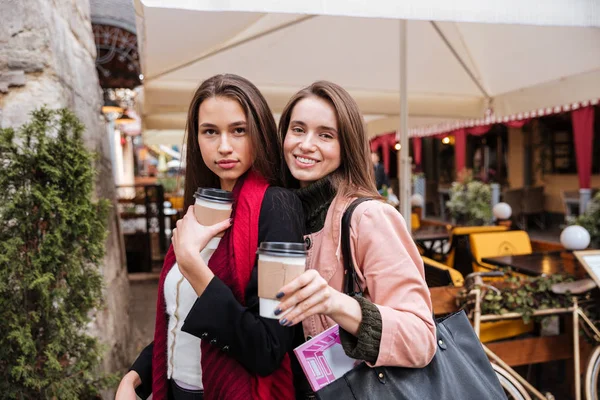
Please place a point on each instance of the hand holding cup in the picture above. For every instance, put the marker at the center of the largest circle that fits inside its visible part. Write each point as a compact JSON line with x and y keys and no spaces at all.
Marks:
{"x":278,"y":264}
{"x":307,"y":295}
{"x":190,"y":238}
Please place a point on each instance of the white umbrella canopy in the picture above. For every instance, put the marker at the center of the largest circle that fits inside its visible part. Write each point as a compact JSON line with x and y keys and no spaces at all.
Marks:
{"x":554,"y":12}
{"x":454,"y":67}
{"x":474,"y":57}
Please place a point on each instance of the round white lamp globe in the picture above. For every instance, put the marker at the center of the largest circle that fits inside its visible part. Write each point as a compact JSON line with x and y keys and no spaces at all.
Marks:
{"x":575,"y":237}
{"x":502,"y":211}
{"x":416,"y":200}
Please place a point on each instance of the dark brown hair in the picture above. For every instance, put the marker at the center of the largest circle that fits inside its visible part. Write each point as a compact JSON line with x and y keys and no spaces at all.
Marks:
{"x":260,"y":127}
{"x":355,"y":176}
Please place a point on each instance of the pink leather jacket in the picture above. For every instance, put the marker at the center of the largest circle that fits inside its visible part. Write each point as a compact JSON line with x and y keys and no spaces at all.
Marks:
{"x":391,"y":274}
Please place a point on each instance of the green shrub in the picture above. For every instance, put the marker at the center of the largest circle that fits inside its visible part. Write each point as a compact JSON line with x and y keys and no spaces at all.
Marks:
{"x":470,"y":201}
{"x":169,"y":184}
{"x":52,"y":239}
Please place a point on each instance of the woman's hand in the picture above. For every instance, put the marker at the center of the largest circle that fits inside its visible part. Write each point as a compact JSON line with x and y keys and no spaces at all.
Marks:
{"x":190,"y":238}
{"x":126,"y":390}
{"x":308,"y":294}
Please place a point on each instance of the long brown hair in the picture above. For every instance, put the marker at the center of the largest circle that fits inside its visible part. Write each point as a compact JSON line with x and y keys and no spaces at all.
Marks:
{"x":261,"y":128}
{"x":355,"y":175}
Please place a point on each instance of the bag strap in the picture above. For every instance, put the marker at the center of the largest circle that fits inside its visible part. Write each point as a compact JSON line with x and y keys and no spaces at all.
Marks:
{"x":350,"y":277}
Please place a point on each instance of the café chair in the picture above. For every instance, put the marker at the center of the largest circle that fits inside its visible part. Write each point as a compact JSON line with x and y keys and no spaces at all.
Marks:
{"x":415,"y":221}
{"x":438,"y":274}
{"x":497,"y":244}
{"x":514,"y":198}
{"x":533,"y":206}
{"x":459,"y":255}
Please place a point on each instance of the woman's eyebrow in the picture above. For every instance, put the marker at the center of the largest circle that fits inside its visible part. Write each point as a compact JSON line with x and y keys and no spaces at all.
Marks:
{"x":320,"y":127}
{"x":327,"y":128}
{"x":210,"y":125}
{"x":296,"y":122}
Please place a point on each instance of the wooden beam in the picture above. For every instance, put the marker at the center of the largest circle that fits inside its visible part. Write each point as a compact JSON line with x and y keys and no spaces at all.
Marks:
{"x":533,"y":350}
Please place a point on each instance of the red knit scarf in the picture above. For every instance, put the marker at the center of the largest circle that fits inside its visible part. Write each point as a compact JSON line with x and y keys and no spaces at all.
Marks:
{"x":222,"y":376}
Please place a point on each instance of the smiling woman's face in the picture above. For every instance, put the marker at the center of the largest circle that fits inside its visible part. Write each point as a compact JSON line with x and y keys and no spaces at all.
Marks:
{"x":312,"y":146}
{"x":224,"y":142}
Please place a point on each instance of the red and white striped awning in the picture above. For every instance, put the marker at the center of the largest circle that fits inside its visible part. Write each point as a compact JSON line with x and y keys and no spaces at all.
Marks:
{"x":448,"y":127}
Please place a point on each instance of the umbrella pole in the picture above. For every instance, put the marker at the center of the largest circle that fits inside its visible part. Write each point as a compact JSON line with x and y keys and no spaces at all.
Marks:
{"x":404,"y":167}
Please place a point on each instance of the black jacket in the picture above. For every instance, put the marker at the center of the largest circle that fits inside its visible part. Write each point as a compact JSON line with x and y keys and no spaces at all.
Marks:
{"x":258,"y":343}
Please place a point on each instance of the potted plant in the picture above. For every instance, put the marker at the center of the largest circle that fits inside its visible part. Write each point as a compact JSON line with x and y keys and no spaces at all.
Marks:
{"x":523,"y":295}
{"x":52,"y":238}
{"x":173,"y":186}
{"x":590,"y":220}
{"x":470,"y":201}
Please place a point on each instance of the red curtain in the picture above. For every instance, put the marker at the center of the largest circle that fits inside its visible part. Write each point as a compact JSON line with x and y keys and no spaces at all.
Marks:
{"x":460,"y":145}
{"x":375,"y":144}
{"x":583,"y":135}
{"x":416,"y":141}
{"x":516,"y":124}
{"x":460,"y":149}
{"x":479,"y":130}
{"x":386,"y":155}
{"x":483,"y":129}
{"x":384,"y":142}
{"x":460,"y":138}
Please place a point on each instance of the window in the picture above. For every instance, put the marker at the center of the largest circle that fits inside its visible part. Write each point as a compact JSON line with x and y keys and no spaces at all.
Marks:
{"x":486,"y":154}
{"x":557,"y":146}
{"x":557,"y":149}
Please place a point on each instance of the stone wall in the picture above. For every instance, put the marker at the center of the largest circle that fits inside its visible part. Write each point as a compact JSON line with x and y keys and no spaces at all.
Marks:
{"x":47,"y":56}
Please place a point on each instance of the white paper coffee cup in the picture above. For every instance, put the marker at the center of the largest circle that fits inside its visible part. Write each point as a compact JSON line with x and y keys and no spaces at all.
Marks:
{"x":212,"y":206}
{"x":279,"y":263}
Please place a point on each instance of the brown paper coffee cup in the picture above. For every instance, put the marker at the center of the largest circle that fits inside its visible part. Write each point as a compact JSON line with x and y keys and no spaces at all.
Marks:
{"x":272,"y":276}
{"x":209,"y":216}
{"x":212,"y":206}
{"x":278,"y":265}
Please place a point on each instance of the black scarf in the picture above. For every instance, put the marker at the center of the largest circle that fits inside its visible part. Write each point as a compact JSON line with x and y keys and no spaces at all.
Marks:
{"x":316,"y":199}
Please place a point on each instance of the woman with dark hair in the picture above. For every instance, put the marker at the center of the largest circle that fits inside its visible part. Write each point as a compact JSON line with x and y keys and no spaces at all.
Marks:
{"x":327,"y":155}
{"x":209,"y":340}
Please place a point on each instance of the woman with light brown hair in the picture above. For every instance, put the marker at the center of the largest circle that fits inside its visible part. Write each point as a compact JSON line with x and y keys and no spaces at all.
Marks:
{"x":327,"y":155}
{"x":209,"y":340}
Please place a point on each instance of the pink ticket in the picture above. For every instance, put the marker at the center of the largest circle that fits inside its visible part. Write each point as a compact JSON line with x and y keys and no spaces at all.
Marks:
{"x":323,"y":359}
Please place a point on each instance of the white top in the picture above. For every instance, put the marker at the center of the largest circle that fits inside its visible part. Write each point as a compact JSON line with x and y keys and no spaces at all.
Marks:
{"x":183,"y":349}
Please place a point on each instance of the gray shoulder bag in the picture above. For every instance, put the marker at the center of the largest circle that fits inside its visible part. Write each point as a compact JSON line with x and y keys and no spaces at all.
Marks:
{"x":460,"y":370}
